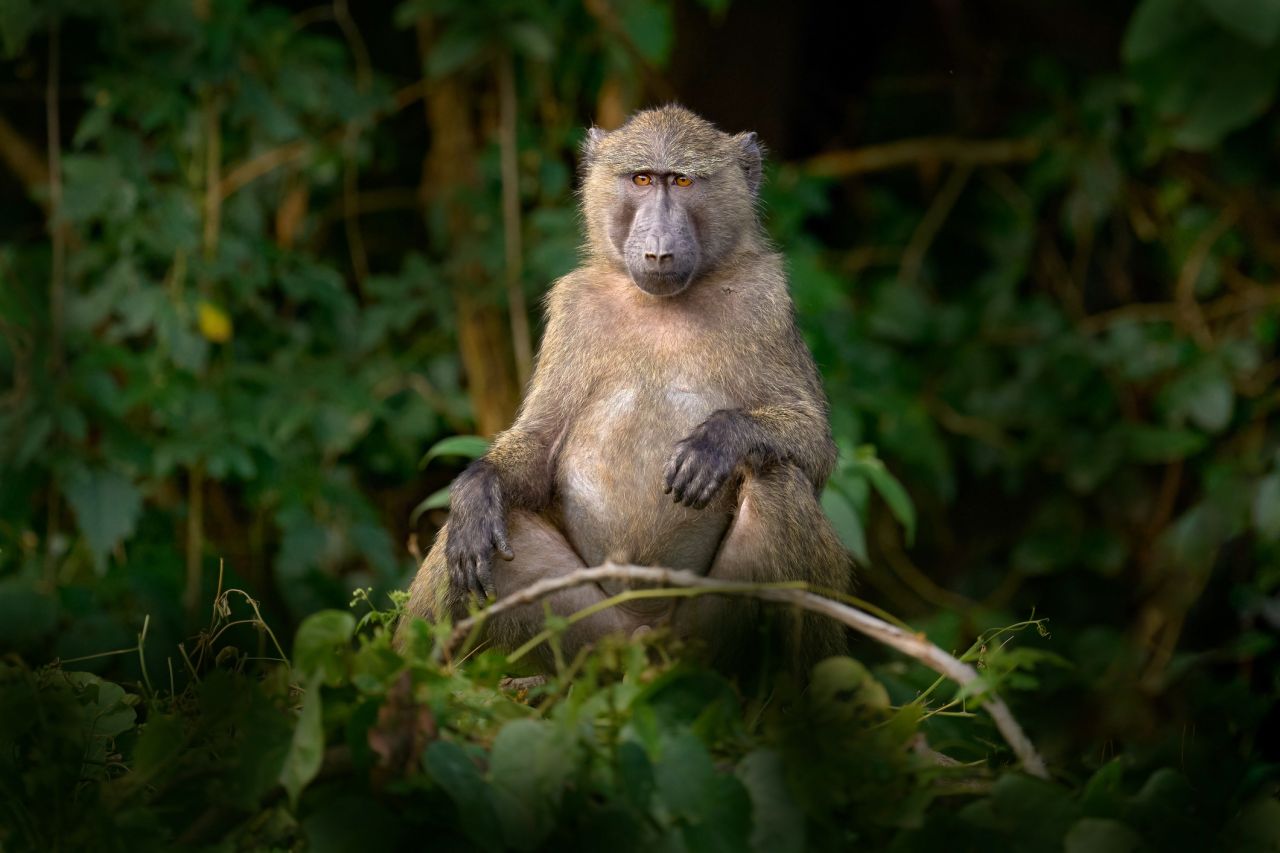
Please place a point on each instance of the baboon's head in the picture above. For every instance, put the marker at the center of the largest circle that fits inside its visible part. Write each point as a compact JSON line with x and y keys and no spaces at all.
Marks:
{"x":668,"y":196}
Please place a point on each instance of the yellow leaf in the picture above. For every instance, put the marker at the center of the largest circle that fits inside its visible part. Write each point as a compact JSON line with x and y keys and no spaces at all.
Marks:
{"x":215,"y":324}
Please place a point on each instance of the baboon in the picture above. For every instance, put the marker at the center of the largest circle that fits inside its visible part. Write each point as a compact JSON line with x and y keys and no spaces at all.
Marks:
{"x":675,"y":417}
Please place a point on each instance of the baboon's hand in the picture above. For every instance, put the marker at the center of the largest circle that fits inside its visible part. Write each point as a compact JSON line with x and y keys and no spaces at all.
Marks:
{"x":477,"y":528}
{"x":704,"y":460}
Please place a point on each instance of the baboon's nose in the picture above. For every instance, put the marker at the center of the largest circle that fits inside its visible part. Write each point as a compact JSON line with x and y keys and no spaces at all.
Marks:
{"x":658,"y":254}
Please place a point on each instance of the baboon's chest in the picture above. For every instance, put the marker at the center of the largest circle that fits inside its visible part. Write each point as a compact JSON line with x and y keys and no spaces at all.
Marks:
{"x":610,"y":476}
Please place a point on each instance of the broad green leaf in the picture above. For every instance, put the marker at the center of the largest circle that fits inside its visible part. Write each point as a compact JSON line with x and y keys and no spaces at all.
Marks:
{"x":1256,"y":829}
{"x":1100,"y":835}
{"x":1255,"y":20}
{"x":458,"y":777}
{"x":1266,"y":507}
{"x":1160,"y":24}
{"x":470,"y":446}
{"x":1163,"y":444}
{"x":160,"y":741}
{"x":323,"y":645}
{"x":28,"y":615}
{"x":455,"y":49}
{"x":531,"y":40}
{"x":1209,"y":86}
{"x":107,"y":506}
{"x":17,"y":20}
{"x":107,"y":714}
{"x":306,"y":749}
{"x":777,"y":820}
{"x":715,"y":808}
{"x":1203,"y":395}
{"x":842,"y":688}
{"x":846,"y":522}
{"x":648,"y":24}
{"x":438,"y":499}
{"x":529,"y":764}
{"x":889,"y":488}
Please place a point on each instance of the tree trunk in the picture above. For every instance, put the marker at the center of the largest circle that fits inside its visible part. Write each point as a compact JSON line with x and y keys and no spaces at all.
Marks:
{"x":449,"y":172}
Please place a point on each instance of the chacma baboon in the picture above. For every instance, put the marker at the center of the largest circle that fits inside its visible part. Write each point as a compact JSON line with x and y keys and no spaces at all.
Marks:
{"x":675,"y":417}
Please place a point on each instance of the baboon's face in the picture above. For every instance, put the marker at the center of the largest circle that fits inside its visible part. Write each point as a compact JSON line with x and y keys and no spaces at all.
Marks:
{"x":655,"y":229}
{"x":668,"y":197}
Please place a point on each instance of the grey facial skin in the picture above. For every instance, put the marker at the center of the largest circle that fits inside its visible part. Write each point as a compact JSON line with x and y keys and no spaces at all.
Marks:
{"x":656,"y":230}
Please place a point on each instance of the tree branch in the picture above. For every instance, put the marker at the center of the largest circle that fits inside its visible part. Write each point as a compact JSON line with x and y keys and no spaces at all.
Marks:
{"x":907,"y":152}
{"x":915,"y":646}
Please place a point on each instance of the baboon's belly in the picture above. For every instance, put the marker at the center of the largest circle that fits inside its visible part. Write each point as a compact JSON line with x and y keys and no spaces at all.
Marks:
{"x":610,"y":481}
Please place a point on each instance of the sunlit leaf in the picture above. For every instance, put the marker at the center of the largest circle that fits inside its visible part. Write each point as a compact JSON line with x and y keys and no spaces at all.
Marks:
{"x":107,"y":506}
{"x":469,"y":446}
{"x":306,"y":750}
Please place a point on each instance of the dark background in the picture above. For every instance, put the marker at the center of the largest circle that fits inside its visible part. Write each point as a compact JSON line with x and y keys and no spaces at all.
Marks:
{"x":1033,"y":247}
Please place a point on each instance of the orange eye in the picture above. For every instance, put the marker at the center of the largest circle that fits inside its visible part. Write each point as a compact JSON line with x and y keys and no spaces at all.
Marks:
{"x":682,"y":181}
{"x":641,"y":180}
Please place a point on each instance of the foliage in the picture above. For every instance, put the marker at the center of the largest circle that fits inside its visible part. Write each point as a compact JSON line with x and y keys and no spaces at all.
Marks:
{"x":239,"y":313}
{"x":624,"y":748}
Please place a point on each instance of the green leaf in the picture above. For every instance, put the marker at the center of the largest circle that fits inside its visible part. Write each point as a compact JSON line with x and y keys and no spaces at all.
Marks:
{"x":648,"y":23}
{"x":1163,"y":444}
{"x":458,"y":777}
{"x":323,"y":645}
{"x":715,"y":809}
{"x":1266,"y":507}
{"x":438,"y":499}
{"x":17,"y":20}
{"x":1158,"y":25}
{"x":528,"y":768}
{"x":1256,"y":829}
{"x":306,"y":749}
{"x":843,"y":689}
{"x":889,"y":488}
{"x":1203,"y":395}
{"x":848,"y":525}
{"x":470,"y":446}
{"x":1100,"y":835}
{"x":777,"y":820}
{"x":1255,"y":20}
{"x":454,"y":50}
{"x":28,"y":614}
{"x":160,"y":741}
{"x":1209,"y":85}
{"x":107,"y":506}
{"x":531,"y":40}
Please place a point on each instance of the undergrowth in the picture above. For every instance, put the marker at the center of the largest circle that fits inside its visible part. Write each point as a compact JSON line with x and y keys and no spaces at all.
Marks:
{"x":228,"y":743}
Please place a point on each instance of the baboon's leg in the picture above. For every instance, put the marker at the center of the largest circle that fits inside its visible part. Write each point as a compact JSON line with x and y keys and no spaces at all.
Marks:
{"x":541,"y":551}
{"x":779,"y":533}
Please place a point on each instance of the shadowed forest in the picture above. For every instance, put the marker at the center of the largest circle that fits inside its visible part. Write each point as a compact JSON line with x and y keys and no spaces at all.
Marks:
{"x":270,"y":275}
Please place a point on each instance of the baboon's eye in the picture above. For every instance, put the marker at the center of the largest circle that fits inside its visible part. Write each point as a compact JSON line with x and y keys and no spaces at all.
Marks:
{"x":682,"y":181}
{"x":641,"y":180}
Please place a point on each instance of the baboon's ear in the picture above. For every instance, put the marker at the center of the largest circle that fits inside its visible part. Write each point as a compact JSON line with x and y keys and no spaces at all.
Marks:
{"x":591,"y":145}
{"x":751,"y":156}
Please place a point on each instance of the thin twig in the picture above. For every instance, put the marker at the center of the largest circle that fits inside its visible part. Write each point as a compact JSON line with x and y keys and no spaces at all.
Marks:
{"x":913,"y":645}
{"x":908,"y":152}
{"x":1190,"y":314}
{"x":351,"y":145}
{"x":933,"y":220}
{"x":508,"y":141}
{"x":57,"y":270}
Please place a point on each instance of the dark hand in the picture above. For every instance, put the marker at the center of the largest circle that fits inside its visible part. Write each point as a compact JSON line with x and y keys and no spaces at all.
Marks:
{"x":704,"y":460}
{"x":477,"y":528}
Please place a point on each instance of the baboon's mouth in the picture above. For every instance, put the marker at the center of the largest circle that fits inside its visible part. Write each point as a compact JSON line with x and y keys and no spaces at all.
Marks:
{"x":662,"y":283}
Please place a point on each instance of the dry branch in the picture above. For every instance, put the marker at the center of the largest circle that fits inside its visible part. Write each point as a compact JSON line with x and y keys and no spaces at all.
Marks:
{"x":907,"y":152}
{"x":912,"y":645}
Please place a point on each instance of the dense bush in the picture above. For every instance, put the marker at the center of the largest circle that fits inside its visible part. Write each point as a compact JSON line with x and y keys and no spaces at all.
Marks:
{"x":245,"y":284}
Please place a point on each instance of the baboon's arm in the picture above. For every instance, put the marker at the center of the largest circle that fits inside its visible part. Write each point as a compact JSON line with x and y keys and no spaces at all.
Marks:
{"x":523,"y":457}
{"x":787,"y":424}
